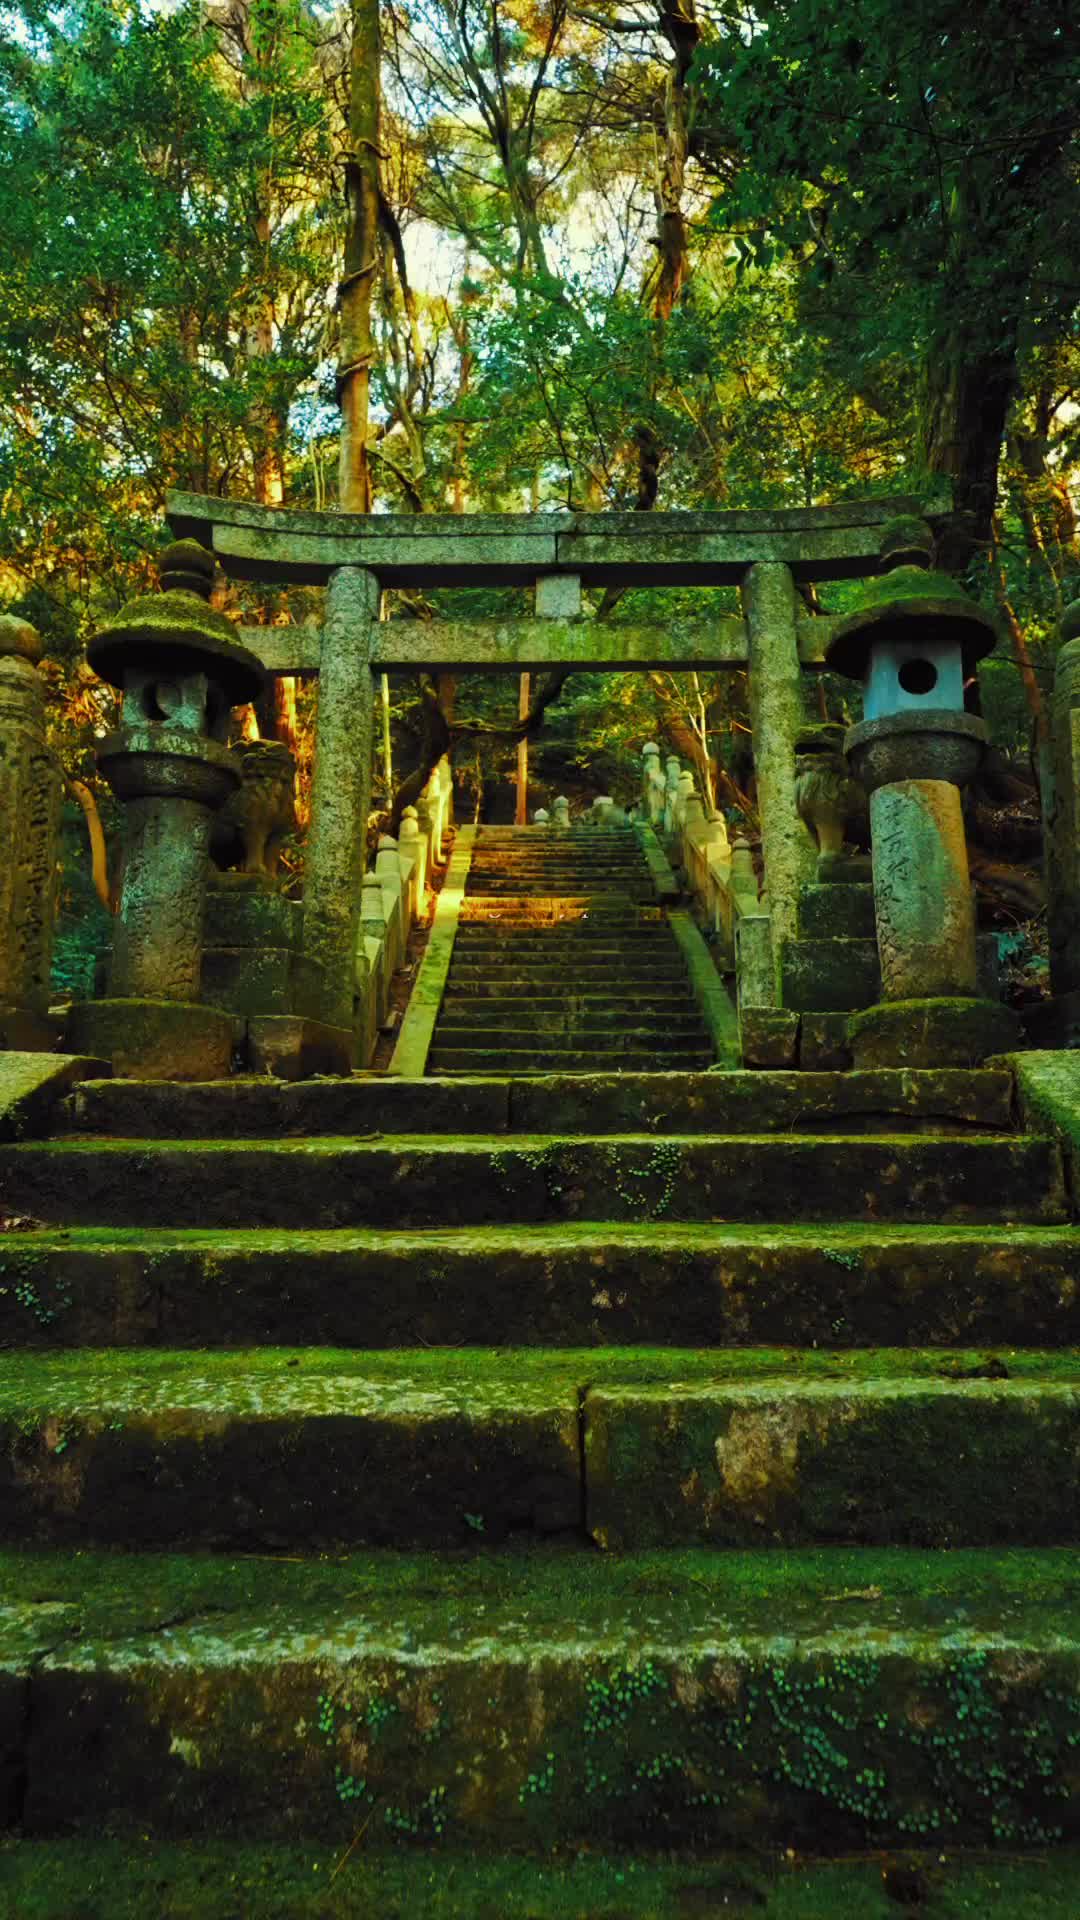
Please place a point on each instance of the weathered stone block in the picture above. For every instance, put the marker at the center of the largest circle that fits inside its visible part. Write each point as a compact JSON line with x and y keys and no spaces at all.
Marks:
{"x":250,"y":916}
{"x":248,"y":980}
{"x":292,"y":1048}
{"x":768,"y":1036}
{"x":954,"y":1032}
{"x":154,"y":1039}
{"x":857,"y":1456}
{"x":31,"y":1084}
{"x":823,"y":1043}
{"x":829,"y":976}
{"x":828,"y":912}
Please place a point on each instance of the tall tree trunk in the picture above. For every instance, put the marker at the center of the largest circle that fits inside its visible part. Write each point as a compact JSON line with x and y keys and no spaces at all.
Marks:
{"x":965,"y":404}
{"x":361,"y":256}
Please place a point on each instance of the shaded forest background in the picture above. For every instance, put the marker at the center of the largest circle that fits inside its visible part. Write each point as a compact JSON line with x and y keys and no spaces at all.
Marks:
{"x":631,"y":254}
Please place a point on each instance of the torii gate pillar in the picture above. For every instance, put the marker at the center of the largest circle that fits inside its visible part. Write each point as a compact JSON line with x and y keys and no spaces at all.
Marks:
{"x":776,"y":719}
{"x":340,"y":794}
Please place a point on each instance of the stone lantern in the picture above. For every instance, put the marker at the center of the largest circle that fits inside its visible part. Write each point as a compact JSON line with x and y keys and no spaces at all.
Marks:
{"x":179,"y":669}
{"x":914,"y":643}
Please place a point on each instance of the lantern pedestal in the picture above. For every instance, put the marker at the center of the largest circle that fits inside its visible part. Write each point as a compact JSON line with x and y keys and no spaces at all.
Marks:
{"x":943,"y":1031}
{"x":153,"y":1039}
{"x":914,"y":644}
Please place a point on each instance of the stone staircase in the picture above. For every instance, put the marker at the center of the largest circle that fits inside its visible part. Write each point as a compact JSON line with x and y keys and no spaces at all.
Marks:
{"x":483,"y":1464}
{"x":563,"y":962}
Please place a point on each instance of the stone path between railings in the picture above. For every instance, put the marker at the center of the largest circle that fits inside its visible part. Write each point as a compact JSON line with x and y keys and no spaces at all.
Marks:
{"x":563,"y":960}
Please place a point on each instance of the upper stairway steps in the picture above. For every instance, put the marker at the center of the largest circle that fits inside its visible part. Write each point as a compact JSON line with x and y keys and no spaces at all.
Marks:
{"x":562,"y":917}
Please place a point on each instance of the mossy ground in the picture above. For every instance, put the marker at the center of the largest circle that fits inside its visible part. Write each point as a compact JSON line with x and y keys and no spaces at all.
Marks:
{"x":129,"y":1880}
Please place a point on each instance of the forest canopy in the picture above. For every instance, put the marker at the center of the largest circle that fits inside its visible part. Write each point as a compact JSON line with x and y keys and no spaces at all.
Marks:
{"x":627,"y":254}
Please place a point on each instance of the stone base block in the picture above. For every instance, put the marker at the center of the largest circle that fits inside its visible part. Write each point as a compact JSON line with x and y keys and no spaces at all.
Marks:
{"x":932,"y":1033}
{"x":1053,"y":1023}
{"x":24,"y":1031}
{"x":31,"y":1088}
{"x":844,"y":869}
{"x":154,"y":1039}
{"x":836,"y":913}
{"x":248,"y":980}
{"x":292,"y":1048}
{"x":987,"y":967}
{"x":829,"y":976}
{"x":823,"y":1043}
{"x":768,"y":1036}
{"x":243,"y":910}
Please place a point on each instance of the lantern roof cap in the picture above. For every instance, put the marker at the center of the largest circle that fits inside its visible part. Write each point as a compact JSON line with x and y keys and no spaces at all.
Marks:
{"x":176,"y":631}
{"x":910,"y":603}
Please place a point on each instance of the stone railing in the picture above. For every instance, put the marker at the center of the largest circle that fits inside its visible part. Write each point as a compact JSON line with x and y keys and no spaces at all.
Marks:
{"x":392,"y":900}
{"x":719,"y":876}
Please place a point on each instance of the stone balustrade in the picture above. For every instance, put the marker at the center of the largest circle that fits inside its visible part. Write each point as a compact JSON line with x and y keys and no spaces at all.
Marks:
{"x":722,"y":887}
{"x":392,"y":900}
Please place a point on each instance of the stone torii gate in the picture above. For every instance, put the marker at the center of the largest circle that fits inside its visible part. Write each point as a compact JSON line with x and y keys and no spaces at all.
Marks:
{"x":355,"y":556}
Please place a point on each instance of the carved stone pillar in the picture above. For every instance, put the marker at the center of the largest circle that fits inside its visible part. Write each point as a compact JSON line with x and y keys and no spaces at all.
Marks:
{"x":340,"y":793}
{"x":29,"y":823}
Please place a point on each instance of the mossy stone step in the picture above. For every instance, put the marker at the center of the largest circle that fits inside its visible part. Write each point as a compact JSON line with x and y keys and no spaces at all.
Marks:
{"x":861,"y":1457}
{"x":521,"y":1007}
{"x":886,"y":1099}
{"x":419,"y":1180}
{"x":571,"y":989}
{"x":830,"y":1702}
{"x":627,"y":1029}
{"x":633,"y":1014}
{"x":129,"y":1878}
{"x":580,"y":1059}
{"x":666,"y":974}
{"x":828,"y":1286}
{"x":314,"y":1449}
{"x":270,"y":1449}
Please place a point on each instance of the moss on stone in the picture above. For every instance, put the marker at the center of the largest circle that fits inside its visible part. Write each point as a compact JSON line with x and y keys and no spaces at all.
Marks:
{"x":539,"y":1699}
{"x":102,"y":1879}
{"x":664,"y":1283}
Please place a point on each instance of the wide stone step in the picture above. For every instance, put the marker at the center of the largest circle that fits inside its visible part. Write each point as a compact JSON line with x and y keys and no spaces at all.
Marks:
{"x":537,"y":907}
{"x":265,"y":1449}
{"x":580,"y":1059}
{"x":586,"y":972}
{"x":884,"y":1100}
{"x":831,"y":1702}
{"x":633,"y":1016}
{"x":56,"y":1878}
{"x":420,"y":1180}
{"x":660,"y":1284}
{"x":664,"y":993}
{"x":589,"y":1005}
{"x":491,"y":938}
{"x":627,"y":1031}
